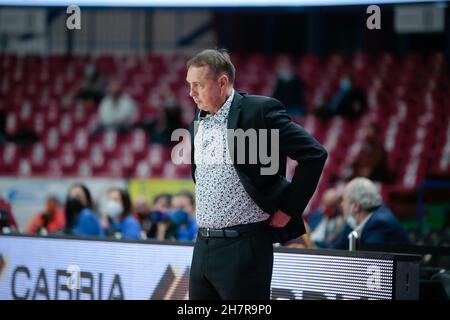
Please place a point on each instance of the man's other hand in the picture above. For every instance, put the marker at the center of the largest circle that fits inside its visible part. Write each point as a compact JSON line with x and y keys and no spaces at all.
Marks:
{"x":279,"y":219}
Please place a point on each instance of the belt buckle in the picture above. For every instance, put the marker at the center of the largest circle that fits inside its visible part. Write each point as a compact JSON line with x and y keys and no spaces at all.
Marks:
{"x":207,"y":232}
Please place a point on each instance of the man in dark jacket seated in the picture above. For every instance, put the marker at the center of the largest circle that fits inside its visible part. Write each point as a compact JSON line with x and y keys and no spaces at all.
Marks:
{"x":368,"y":216}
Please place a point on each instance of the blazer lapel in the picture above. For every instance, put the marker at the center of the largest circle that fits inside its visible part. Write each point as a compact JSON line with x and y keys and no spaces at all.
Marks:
{"x":233,"y":117}
{"x":193,"y":128}
{"x":235,"y":108}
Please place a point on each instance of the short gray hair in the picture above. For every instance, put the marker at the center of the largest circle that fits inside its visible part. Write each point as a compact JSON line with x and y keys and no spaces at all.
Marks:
{"x":365,"y":192}
{"x":218,"y":61}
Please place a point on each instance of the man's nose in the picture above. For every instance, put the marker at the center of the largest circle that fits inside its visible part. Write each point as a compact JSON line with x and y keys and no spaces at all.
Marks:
{"x":192,"y":93}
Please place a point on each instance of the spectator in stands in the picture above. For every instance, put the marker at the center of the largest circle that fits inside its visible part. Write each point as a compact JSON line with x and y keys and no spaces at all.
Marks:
{"x":117,"y":110}
{"x":349,"y":101}
{"x":183,"y":216}
{"x":51,"y":220}
{"x":160,"y":130}
{"x":92,"y":87}
{"x":123,"y":224}
{"x":371,"y":161}
{"x":320,"y":105}
{"x":313,"y":219}
{"x":366,"y":214}
{"x":23,"y":136}
{"x":330,"y":222}
{"x":3,"y":135}
{"x":7,"y":221}
{"x":289,"y":87}
{"x":81,"y":220}
{"x":158,"y":222}
{"x":142,"y":211}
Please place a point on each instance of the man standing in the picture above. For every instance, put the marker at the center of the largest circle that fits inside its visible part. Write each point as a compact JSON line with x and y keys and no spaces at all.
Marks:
{"x":241,"y":207}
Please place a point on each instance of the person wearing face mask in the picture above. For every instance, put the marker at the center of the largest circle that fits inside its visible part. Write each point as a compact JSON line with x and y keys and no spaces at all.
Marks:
{"x":92,"y":86}
{"x":331,"y":222}
{"x":155,"y":222}
{"x":119,"y":210}
{"x":50,"y":221}
{"x":182,"y":216}
{"x":289,"y":87}
{"x":349,"y":101}
{"x":81,"y":220}
{"x":366,"y":214}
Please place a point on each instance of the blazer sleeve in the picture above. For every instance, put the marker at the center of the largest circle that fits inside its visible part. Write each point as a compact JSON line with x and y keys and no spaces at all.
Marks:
{"x":300,"y":146}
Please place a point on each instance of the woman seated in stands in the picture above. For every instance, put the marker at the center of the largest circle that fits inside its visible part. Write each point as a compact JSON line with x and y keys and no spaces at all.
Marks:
{"x":81,"y":220}
{"x":122,"y":223}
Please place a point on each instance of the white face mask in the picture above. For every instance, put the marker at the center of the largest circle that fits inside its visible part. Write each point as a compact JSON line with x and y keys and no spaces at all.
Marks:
{"x":113,"y":208}
{"x":351,"y":221}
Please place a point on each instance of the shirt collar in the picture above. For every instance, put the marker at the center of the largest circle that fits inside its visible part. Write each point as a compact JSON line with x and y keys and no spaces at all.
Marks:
{"x":360,"y":228}
{"x":222,"y":114}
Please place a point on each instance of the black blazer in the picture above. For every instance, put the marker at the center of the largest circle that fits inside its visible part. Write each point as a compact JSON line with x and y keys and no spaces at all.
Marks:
{"x":273,"y":192}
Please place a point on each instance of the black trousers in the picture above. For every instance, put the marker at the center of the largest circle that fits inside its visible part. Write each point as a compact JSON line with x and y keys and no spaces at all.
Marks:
{"x":233,"y":268}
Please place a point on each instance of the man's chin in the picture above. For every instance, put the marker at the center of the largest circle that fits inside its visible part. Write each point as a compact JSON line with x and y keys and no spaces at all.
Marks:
{"x":202,"y":108}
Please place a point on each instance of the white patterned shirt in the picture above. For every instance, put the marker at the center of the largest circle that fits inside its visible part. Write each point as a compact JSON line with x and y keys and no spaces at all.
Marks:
{"x":221,"y":200}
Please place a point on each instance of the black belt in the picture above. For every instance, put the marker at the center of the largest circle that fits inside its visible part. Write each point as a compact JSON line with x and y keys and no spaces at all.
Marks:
{"x":231,"y":232}
{"x":218,"y":233}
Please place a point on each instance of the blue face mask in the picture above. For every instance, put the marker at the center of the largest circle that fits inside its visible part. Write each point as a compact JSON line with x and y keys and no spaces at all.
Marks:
{"x":90,"y":70}
{"x":346,"y":84}
{"x":113,"y":208}
{"x":285,"y":76}
{"x":157,"y":216}
{"x":179,"y":217}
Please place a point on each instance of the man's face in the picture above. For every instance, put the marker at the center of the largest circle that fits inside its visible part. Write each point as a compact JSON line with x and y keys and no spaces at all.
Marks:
{"x":205,"y":88}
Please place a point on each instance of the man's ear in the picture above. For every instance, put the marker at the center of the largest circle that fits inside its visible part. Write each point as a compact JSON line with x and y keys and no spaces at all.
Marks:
{"x":223,"y":81}
{"x":356,"y":207}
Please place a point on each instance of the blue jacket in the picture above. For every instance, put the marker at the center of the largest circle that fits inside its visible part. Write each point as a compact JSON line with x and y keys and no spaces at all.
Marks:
{"x":129,"y":227}
{"x":383,"y":227}
{"x":88,"y":224}
{"x":188,"y":232}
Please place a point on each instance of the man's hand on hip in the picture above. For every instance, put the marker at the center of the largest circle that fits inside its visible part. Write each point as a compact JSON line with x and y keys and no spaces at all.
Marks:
{"x":279,"y":219}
